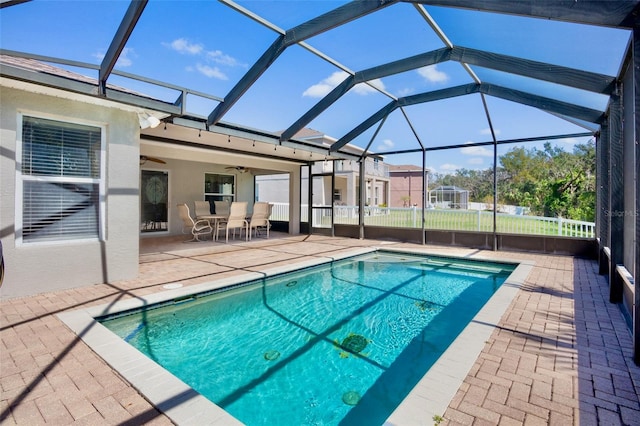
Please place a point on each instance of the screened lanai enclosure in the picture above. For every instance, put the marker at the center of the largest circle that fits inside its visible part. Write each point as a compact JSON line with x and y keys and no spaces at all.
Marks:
{"x":533,"y":104}
{"x":451,"y":197}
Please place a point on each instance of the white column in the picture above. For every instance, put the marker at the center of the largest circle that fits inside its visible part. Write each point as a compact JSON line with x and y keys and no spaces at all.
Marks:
{"x":294,"y":202}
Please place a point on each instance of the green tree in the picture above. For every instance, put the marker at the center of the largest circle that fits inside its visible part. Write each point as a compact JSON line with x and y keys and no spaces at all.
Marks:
{"x":550,"y":181}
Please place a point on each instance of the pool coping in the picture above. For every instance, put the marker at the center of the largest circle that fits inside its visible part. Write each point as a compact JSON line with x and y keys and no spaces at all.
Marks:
{"x":433,"y":393}
{"x":185,"y":406}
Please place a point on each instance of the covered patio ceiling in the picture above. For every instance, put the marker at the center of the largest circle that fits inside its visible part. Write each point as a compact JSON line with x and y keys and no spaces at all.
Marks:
{"x":382,"y":77}
{"x":258,"y":153}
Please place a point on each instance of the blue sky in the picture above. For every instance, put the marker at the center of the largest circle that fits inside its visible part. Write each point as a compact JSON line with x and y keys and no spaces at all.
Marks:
{"x":207,"y":46}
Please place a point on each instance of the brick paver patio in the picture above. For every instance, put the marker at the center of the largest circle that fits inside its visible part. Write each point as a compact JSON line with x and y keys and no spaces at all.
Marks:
{"x":561,"y":354}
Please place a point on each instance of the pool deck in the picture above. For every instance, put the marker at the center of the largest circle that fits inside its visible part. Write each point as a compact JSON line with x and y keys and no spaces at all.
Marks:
{"x":560,"y":354}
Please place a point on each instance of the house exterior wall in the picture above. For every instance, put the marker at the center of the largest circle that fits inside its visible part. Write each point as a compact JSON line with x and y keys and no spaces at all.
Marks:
{"x":283,"y":188}
{"x":41,"y":267}
{"x":342,"y":186}
{"x":346,"y":180}
{"x":378,"y":193}
{"x":273,"y":188}
{"x":406,"y":189}
{"x":350,"y":198}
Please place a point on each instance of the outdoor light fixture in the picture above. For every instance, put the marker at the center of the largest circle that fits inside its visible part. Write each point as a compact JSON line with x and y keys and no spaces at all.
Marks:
{"x":147,"y":121}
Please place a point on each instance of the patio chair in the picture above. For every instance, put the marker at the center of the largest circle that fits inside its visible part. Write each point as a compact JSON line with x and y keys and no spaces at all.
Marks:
{"x":236,"y":220}
{"x":203,"y":208}
{"x":196,"y":227}
{"x":222,"y":207}
{"x":260,"y":218}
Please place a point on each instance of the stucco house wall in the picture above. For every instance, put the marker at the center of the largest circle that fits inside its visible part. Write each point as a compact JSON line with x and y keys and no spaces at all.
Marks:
{"x":273,"y":188}
{"x":342,"y":185}
{"x":47,"y":266}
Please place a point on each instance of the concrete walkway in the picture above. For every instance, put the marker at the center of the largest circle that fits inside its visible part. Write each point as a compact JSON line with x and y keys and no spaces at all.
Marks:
{"x":561,"y":354}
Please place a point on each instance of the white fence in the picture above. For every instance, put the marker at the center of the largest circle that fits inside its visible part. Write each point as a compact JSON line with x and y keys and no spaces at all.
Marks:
{"x":280,"y":211}
{"x":455,"y":220}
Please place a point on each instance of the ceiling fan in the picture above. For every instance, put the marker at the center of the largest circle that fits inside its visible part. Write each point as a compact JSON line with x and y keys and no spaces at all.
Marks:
{"x":145,"y":158}
{"x":239,"y":169}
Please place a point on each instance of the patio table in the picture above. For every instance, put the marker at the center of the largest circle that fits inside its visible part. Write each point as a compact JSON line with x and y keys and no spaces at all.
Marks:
{"x":216,"y":218}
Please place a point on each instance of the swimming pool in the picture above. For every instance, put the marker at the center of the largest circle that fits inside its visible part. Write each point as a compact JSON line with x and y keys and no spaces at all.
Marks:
{"x":339,"y":343}
{"x":348,"y":340}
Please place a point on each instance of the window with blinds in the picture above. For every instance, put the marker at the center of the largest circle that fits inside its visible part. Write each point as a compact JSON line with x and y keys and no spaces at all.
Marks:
{"x":60,"y":176}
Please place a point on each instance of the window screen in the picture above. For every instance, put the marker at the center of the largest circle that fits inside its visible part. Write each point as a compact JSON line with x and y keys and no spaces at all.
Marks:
{"x":60,"y":180}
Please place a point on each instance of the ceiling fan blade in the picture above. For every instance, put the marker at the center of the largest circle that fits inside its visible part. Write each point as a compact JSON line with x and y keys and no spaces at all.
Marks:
{"x":144,"y":158}
{"x":239,"y":169}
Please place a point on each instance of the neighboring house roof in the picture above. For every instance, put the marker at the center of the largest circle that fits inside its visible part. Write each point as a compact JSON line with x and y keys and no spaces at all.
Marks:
{"x":308,"y":134}
{"x":405,"y":168}
{"x":33,"y":65}
{"x":42,"y":67}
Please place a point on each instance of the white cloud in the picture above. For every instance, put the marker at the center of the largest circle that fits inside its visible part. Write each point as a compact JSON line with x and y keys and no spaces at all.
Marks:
{"x":325,"y":86}
{"x":211,"y":72}
{"x":475,"y":160}
{"x":319,"y":90}
{"x":569,"y":141}
{"x":432,"y":74}
{"x":487,"y":131}
{"x":405,"y":92}
{"x":182,"y":45}
{"x":221,"y":58}
{"x":385,"y":144}
{"x":448,"y":167}
{"x":477,"y":151}
{"x":365,"y":89}
{"x":124,"y":60}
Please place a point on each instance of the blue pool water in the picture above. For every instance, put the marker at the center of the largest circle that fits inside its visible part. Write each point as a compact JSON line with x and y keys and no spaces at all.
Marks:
{"x":342,"y":343}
